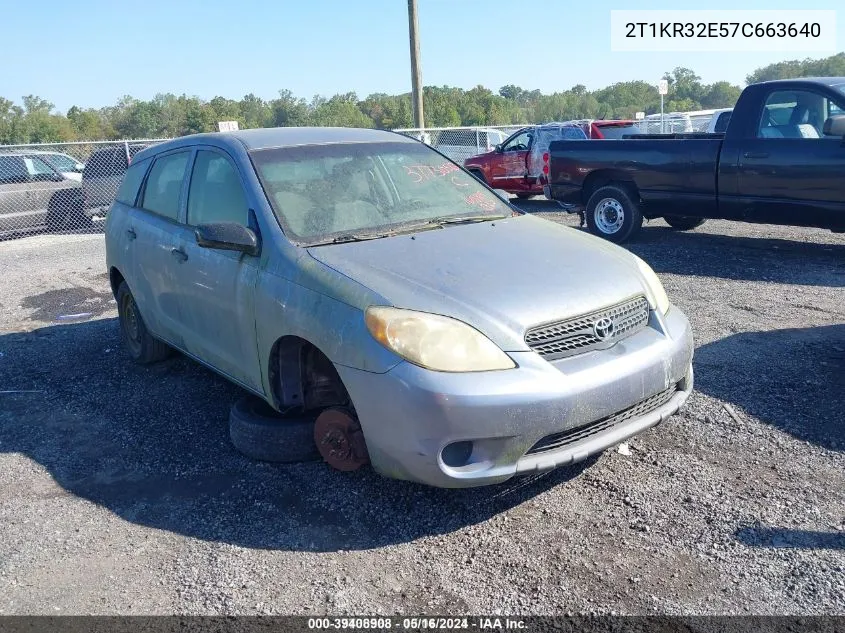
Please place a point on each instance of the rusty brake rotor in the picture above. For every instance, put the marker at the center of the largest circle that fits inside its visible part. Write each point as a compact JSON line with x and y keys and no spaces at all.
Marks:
{"x":340,"y":440}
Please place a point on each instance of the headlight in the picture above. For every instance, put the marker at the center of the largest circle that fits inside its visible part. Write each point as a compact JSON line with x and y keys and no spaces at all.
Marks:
{"x":433,"y":341}
{"x":655,"y":288}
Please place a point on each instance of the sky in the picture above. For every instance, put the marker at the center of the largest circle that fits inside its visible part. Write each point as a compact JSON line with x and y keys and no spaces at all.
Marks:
{"x":90,"y":53}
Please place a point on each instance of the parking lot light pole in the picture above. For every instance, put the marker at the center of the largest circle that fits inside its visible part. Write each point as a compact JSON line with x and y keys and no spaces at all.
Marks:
{"x":416,"y":75}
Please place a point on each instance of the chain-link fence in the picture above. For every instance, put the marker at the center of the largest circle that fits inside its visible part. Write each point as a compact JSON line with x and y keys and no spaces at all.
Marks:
{"x":64,"y":187}
{"x":68,"y":187}
{"x":459,"y":143}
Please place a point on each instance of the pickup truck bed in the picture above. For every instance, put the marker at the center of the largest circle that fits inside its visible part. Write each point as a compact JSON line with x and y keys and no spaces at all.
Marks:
{"x":780,"y":161}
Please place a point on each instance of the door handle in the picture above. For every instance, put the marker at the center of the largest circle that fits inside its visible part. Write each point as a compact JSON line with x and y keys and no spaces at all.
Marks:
{"x":130,"y":233}
{"x":756,"y":154}
{"x":179,"y":254}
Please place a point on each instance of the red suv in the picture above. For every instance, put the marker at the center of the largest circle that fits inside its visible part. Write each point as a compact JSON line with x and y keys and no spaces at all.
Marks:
{"x":610,"y":129}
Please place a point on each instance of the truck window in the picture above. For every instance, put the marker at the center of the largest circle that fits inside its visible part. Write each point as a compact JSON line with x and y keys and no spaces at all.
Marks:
{"x":722,"y":123}
{"x":795,"y":114}
{"x":518,"y":143}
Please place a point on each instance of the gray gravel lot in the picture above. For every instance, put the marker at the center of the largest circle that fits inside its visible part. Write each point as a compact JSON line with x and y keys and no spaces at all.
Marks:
{"x":120,"y":491}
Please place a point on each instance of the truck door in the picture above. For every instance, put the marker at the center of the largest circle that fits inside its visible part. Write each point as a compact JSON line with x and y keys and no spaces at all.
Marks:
{"x":789,"y":172}
{"x":509,"y":169}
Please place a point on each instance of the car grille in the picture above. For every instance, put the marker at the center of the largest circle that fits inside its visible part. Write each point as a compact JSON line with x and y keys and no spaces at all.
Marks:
{"x":578,"y":335}
{"x":559,"y":440}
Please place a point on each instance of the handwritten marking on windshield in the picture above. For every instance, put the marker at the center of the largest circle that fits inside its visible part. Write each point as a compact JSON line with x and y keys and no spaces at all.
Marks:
{"x":422,"y":173}
{"x":478,"y":199}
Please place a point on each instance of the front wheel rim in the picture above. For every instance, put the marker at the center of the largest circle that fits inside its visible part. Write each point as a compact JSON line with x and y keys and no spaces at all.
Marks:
{"x":609,"y":215}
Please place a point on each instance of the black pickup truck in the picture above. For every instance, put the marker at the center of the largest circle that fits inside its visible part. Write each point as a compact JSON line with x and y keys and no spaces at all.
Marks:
{"x":780,"y":161}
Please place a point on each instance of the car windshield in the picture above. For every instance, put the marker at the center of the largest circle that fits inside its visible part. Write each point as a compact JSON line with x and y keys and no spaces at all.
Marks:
{"x":345,"y":191}
{"x":618,"y":131}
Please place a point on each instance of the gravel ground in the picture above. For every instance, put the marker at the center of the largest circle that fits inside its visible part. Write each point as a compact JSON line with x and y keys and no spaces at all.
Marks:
{"x":120,"y":492}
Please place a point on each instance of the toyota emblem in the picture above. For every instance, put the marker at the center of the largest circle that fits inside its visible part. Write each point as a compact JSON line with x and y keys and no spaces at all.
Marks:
{"x":603,"y":328}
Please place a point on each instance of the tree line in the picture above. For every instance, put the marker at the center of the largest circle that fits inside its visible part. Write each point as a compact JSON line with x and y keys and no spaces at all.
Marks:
{"x":35,"y":120}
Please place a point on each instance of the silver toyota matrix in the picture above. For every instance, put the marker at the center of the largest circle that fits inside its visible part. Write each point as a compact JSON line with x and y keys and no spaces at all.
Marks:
{"x":370,"y":290}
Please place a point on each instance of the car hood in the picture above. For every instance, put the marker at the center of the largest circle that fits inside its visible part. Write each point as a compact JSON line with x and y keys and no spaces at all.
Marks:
{"x":501,"y":277}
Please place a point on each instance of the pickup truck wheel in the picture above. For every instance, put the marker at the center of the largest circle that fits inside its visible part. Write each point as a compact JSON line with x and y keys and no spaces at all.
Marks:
{"x":613,"y":214}
{"x":261,"y":433}
{"x":142,"y":346}
{"x":683,"y":222}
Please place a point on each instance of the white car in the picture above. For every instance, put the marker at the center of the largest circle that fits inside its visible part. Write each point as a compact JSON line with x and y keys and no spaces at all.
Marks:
{"x":461,"y":143}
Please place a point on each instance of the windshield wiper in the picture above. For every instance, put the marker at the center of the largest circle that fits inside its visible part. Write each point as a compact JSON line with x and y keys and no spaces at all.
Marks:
{"x":466,"y":219}
{"x":352,"y":237}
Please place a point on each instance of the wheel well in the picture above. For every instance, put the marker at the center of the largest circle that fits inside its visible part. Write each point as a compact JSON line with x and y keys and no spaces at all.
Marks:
{"x":301,"y":376}
{"x":598,"y":179}
{"x":477,"y":172}
{"x":115,"y":279}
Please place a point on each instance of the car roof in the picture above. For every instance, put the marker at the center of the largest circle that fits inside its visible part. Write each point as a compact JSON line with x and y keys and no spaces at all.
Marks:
{"x":826,"y":81}
{"x":275,"y":137}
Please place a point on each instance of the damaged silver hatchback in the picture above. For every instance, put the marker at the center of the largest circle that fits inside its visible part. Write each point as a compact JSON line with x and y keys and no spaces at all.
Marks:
{"x":388,"y":307}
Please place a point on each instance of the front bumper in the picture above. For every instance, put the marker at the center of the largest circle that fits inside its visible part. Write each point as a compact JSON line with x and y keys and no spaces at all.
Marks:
{"x":409,"y":415}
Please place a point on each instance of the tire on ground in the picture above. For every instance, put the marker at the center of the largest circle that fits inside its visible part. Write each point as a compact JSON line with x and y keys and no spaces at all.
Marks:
{"x":683,"y":222}
{"x":260,"y":432}
{"x":607,"y":202}
{"x":142,"y":346}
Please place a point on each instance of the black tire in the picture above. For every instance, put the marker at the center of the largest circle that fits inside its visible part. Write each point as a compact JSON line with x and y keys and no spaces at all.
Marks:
{"x":524,"y":196}
{"x":683,"y":222}
{"x":618,"y":210}
{"x":141,"y":345}
{"x":65,"y":212}
{"x":260,"y":432}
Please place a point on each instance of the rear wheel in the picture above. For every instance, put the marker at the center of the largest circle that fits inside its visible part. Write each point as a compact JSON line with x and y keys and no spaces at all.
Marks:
{"x":141,"y":345}
{"x":683,"y":222}
{"x":613,"y":213}
{"x":65,"y":212}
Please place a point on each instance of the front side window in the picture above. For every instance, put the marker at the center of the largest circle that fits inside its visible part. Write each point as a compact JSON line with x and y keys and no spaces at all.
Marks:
{"x":37,"y":167}
{"x":61,"y":162}
{"x":321,"y":191}
{"x":518,"y":143}
{"x":164,"y":185}
{"x":215,"y":193}
{"x":132,"y":179}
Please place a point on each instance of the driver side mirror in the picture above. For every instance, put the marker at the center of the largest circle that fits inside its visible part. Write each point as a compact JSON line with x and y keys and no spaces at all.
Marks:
{"x":834,"y":126}
{"x":498,"y":148}
{"x":228,"y":236}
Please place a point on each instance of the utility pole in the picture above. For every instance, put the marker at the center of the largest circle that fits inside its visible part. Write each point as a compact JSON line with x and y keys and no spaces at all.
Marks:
{"x":416,"y":75}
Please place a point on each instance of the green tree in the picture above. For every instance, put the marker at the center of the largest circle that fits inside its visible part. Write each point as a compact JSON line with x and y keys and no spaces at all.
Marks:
{"x":833,"y":66}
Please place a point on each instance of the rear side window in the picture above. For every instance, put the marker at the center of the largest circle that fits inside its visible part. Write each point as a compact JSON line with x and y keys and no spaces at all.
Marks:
{"x":164,"y":185}
{"x":128,"y":191}
{"x":13,"y":170}
{"x":722,"y":123}
{"x":215,"y":194}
